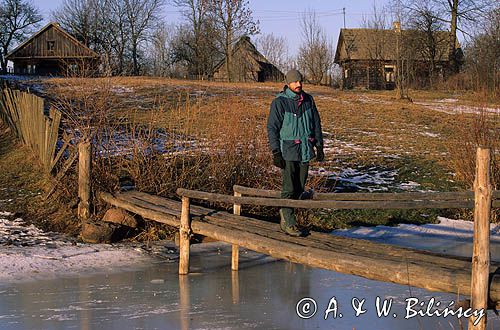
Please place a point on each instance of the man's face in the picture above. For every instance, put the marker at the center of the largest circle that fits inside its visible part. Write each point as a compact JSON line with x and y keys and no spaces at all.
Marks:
{"x":295,"y":86}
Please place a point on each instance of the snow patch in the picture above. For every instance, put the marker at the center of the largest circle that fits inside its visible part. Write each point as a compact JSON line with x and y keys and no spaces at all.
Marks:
{"x":453,"y":237}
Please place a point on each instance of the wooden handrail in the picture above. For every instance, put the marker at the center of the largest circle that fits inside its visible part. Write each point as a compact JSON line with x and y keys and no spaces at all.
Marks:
{"x":408,"y":196}
{"x":332,"y":204}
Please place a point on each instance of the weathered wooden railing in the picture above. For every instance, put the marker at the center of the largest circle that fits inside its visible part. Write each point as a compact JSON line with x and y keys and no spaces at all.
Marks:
{"x":481,"y":200}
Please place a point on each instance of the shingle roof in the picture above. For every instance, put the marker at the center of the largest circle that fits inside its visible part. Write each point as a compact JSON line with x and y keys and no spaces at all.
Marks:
{"x":373,"y":44}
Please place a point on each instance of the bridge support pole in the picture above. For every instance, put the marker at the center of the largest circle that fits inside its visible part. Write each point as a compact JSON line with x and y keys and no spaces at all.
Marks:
{"x":84,"y":168}
{"x":184,"y":235}
{"x":235,"y":249}
{"x":481,"y":248}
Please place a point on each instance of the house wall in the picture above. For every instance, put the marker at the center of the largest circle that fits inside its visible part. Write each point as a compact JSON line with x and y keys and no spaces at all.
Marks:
{"x":52,"y":43}
{"x":368,"y":74}
{"x":53,"y":67}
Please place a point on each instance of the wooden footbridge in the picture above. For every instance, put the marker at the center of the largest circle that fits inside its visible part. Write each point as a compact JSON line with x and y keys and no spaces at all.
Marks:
{"x":432,"y":271}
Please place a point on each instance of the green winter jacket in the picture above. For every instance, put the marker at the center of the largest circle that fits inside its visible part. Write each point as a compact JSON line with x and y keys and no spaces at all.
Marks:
{"x":294,"y":129}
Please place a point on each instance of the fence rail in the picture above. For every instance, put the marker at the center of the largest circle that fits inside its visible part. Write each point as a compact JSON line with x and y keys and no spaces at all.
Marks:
{"x":340,"y":202}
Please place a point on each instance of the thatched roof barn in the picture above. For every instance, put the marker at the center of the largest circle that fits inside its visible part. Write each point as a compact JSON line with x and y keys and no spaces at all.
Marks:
{"x":52,"y":51}
{"x":247,"y":64}
{"x":369,"y":57}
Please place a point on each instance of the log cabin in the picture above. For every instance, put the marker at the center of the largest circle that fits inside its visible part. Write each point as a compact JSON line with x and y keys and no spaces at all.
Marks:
{"x":369,"y":57}
{"x":52,"y":51}
{"x":248,"y":64}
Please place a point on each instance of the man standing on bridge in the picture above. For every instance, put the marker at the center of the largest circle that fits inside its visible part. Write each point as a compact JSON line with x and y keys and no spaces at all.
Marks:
{"x":294,"y":129}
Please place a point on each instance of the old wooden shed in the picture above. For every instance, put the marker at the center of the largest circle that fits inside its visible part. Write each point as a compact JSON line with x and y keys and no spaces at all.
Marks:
{"x":52,"y":51}
{"x":369,"y":57}
{"x":247,"y":64}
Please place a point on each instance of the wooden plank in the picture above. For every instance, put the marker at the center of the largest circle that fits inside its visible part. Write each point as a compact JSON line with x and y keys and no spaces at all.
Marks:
{"x":329,"y":204}
{"x":481,"y":245}
{"x":402,"y":266}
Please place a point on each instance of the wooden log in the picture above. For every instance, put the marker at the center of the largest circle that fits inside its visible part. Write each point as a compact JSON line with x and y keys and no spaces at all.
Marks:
{"x":481,"y":245}
{"x":312,"y":204}
{"x":184,"y":234}
{"x":411,"y":196}
{"x":84,"y":162}
{"x":235,"y":249}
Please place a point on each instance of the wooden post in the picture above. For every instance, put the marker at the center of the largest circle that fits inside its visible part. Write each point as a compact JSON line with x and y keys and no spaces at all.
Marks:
{"x":184,"y":302}
{"x":235,"y":248}
{"x":481,"y":248}
{"x":184,"y":234}
{"x":235,"y":287}
{"x":84,"y":162}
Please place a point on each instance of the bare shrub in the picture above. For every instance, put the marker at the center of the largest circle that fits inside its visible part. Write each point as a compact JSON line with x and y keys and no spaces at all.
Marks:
{"x":482,"y":129}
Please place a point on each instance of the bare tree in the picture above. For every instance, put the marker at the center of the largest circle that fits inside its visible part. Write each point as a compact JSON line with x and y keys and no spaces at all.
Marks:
{"x":160,"y":50}
{"x":232,"y":19}
{"x":483,"y":56}
{"x":459,"y":15}
{"x":78,"y":18}
{"x":141,"y":17}
{"x":275,"y":49}
{"x":195,"y":44}
{"x":426,"y":40}
{"x":316,"y":54}
{"x":18,"y":20}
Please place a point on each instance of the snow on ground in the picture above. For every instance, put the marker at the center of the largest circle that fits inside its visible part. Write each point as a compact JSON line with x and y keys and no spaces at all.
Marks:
{"x":448,"y":106}
{"x":453,"y":237}
{"x":27,"y":253}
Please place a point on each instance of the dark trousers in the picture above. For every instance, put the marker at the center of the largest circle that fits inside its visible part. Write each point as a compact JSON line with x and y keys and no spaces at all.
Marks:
{"x":294,"y":177}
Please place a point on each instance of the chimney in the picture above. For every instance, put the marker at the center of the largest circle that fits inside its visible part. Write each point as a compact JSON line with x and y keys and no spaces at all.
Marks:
{"x":396,"y":26}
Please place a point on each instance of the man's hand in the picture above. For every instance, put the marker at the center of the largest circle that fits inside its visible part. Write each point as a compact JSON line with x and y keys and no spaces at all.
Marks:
{"x":278,"y":160}
{"x":320,"y":155}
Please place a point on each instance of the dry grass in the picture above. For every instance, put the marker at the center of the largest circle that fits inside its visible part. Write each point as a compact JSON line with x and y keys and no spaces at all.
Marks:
{"x":22,"y":188}
{"x":216,"y":134}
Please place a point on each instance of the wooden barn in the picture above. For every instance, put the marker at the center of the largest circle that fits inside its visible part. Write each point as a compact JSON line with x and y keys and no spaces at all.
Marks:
{"x":247,"y":64}
{"x":52,"y":51}
{"x":369,"y":57}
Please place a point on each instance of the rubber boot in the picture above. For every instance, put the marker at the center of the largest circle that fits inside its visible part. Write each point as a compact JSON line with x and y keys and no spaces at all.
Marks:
{"x":288,"y":222}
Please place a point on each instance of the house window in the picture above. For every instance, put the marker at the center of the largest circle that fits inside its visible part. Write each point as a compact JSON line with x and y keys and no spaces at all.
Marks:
{"x":73,"y":68}
{"x":346,"y":73}
{"x":31,"y":69}
{"x":51,"y":45}
{"x":389,"y":73}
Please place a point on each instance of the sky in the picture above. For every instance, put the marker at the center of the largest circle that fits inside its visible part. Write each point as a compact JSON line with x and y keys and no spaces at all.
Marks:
{"x":280,"y":17}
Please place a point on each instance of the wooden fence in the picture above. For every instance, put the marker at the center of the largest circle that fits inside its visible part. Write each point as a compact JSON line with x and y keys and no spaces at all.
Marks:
{"x":24,"y":113}
{"x":482,"y":199}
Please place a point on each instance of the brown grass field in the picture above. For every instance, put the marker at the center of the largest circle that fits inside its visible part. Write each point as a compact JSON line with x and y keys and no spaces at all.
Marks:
{"x":213,"y":135}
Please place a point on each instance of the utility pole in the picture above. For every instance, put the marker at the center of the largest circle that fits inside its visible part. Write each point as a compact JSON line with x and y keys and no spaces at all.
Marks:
{"x":343,"y":11}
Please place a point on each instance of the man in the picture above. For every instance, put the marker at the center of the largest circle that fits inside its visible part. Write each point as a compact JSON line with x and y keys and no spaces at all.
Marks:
{"x":294,"y":129}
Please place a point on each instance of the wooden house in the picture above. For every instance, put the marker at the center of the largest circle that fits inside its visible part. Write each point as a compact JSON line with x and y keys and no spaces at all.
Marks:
{"x":52,"y":51}
{"x":247,"y":64}
{"x":369,"y":57}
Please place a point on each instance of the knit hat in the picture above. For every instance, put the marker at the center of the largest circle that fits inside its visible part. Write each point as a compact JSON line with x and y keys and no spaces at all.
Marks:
{"x":293,"y":76}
